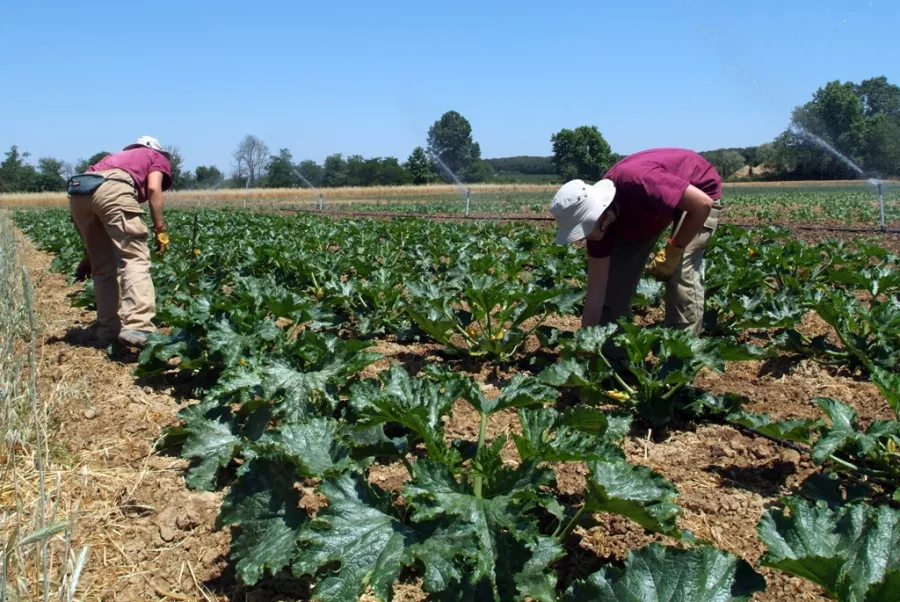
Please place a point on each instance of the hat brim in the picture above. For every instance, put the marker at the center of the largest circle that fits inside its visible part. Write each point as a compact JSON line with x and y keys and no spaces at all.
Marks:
{"x":604,"y":192}
{"x":166,"y":154}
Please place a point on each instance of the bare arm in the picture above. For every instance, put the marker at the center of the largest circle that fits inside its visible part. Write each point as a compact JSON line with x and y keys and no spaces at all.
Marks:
{"x":696,"y":205}
{"x":595,"y":297}
{"x":155,"y":199}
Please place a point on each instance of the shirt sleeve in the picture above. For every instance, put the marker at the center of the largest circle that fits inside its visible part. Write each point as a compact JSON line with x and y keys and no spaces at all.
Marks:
{"x":159,"y":162}
{"x":598,"y":249}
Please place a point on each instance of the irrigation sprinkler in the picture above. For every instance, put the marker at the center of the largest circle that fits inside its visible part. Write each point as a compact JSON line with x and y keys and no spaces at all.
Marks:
{"x":320,"y":202}
{"x":468,"y":198}
{"x":880,"y":186}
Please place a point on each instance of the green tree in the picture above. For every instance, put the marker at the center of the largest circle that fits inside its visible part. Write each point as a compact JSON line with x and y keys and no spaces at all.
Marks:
{"x":481,"y":172}
{"x":391,"y":173}
{"x":860,"y":121}
{"x":208,"y":176}
{"x":581,"y":153}
{"x":181,"y":178}
{"x":312,"y":171}
{"x":50,"y":174}
{"x":360,"y":172}
{"x":450,"y":142}
{"x":82,"y":165}
{"x":726,"y":161}
{"x":879,"y":97}
{"x":15,"y":174}
{"x":420,"y":167}
{"x":280,"y":170}
{"x":335,"y":171}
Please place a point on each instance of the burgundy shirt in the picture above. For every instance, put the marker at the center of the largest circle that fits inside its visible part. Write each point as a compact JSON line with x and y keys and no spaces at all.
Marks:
{"x":649,"y":186}
{"x":138,"y":162}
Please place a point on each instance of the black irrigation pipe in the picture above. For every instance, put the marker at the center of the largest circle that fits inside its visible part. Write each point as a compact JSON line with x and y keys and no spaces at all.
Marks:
{"x":525,"y":218}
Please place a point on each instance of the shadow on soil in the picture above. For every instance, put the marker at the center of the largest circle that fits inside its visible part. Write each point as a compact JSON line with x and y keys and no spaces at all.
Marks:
{"x":282,"y":587}
{"x":767,"y":480}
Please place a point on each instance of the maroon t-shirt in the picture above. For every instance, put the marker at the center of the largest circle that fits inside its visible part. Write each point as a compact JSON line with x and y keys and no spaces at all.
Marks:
{"x":649,"y":186}
{"x":138,"y":162}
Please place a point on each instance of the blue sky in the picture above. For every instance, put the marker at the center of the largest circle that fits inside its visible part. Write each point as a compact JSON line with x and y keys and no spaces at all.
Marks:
{"x":370,"y":77}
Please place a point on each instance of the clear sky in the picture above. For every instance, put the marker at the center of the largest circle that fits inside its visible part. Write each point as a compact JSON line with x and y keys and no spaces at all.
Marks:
{"x":370,"y":77}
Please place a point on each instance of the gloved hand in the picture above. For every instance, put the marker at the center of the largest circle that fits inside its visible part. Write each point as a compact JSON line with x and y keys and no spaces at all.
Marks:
{"x":84,"y":270}
{"x":666,"y":262}
{"x":162,"y":240}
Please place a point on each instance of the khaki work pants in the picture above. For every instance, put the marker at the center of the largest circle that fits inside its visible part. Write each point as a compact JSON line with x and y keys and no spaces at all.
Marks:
{"x":685,"y":298}
{"x":111,"y":222}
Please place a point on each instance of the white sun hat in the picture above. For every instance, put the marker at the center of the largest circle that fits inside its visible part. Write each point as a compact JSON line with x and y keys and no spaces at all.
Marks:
{"x":149,"y":142}
{"x":577,"y":207}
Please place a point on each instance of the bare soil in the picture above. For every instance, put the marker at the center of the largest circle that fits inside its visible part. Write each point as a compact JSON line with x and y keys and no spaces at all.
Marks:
{"x":152,"y":538}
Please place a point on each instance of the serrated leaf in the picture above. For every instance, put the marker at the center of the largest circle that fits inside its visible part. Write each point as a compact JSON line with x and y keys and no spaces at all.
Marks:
{"x":796,"y":430}
{"x":211,"y":442}
{"x":435,"y":494}
{"x":635,"y":492}
{"x":664,"y":574}
{"x":312,"y":446}
{"x":565,"y":373}
{"x":889,"y":385}
{"x":441,"y":554}
{"x":418,"y":404}
{"x":546,"y":437}
{"x":845,"y":550}
{"x":524,"y":568}
{"x":295,"y":387}
{"x":843,"y":432}
{"x":362,"y":533}
{"x":522,"y":391}
{"x":265,"y":504}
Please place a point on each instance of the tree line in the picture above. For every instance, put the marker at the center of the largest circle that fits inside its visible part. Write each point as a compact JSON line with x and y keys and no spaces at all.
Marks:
{"x":859,"y":120}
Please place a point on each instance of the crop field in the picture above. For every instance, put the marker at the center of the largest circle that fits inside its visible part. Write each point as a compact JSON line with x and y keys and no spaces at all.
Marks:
{"x":840,"y":203}
{"x":408,"y":410}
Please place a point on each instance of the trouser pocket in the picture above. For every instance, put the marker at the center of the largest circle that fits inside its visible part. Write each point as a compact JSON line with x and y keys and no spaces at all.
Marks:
{"x":133,"y":224}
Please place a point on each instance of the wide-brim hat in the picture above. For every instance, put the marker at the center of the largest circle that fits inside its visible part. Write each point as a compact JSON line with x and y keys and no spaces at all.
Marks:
{"x":577,"y":207}
{"x":149,"y":142}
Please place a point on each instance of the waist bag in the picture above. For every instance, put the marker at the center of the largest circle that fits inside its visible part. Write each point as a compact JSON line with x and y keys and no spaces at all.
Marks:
{"x":83,"y":184}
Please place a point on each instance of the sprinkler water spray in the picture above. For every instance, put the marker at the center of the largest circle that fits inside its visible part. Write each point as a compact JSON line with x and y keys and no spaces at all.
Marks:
{"x":320,"y":203}
{"x":456,"y":181}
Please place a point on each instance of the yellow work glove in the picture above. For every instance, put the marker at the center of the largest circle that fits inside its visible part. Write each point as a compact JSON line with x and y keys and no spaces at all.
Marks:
{"x":666,"y":261}
{"x":162,"y":242}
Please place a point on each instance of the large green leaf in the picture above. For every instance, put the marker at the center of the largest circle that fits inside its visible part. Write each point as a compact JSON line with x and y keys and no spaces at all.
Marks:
{"x":548,"y":437}
{"x":635,"y":492}
{"x":435,"y":494}
{"x":211,"y":443}
{"x":522,"y":391}
{"x":664,"y":574}
{"x":312,"y":446}
{"x":264,"y":503}
{"x":786,"y":430}
{"x":844,"y":431}
{"x":418,"y":404}
{"x":565,"y":373}
{"x":853,"y":551}
{"x":889,"y":385}
{"x":362,"y":533}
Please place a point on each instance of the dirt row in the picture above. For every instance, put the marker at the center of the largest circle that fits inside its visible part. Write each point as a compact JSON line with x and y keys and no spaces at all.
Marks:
{"x":151,"y":538}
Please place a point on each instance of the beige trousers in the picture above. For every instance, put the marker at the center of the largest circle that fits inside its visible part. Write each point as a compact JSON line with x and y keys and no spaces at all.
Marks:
{"x":111,"y":222}
{"x":685,"y":298}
